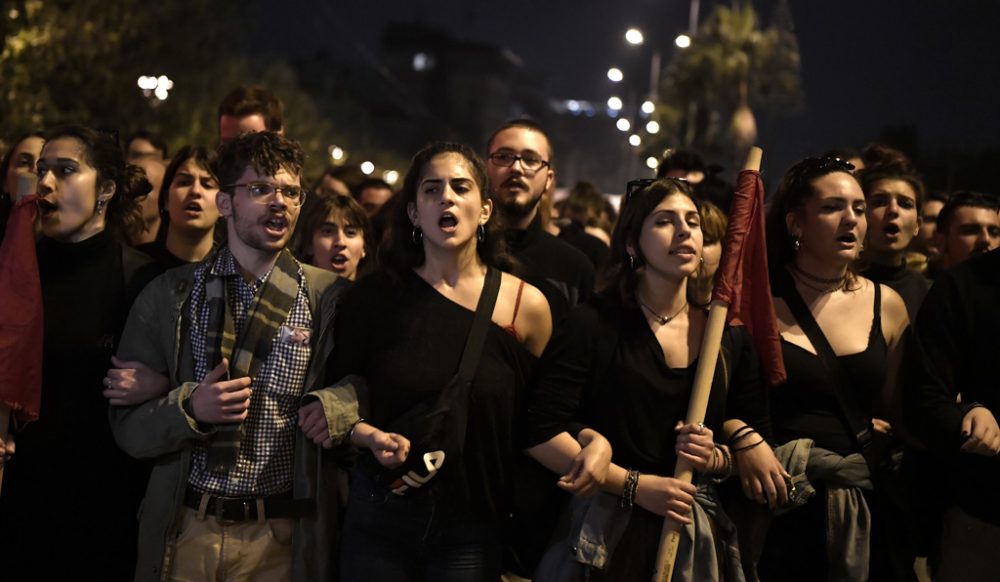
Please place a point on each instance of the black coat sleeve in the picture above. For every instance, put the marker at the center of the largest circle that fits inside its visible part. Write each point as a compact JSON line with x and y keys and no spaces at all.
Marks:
{"x":565,"y":371}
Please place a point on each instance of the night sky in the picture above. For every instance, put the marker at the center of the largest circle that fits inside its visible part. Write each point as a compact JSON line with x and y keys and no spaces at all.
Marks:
{"x":930,"y":66}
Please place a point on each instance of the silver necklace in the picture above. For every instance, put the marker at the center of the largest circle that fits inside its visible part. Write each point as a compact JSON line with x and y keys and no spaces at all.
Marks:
{"x":662,"y":320}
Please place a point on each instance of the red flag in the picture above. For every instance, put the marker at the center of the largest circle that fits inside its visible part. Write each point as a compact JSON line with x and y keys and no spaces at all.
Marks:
{"x":743,"y":277}
{"x":20,"y":314}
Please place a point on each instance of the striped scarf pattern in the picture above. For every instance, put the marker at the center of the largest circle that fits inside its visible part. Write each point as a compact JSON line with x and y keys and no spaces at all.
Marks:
{"x":248,"y":350}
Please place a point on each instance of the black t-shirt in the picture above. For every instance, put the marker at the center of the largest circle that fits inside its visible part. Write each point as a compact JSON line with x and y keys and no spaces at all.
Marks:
{"x":604,"y":368}
{"x":562,"y":273}
{"x":407,"y":339}
{"x":594,"y":248}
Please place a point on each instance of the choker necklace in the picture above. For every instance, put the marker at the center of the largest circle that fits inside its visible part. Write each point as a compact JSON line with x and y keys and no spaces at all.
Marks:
{"x":838,"y":284}
{"x":822,"y":280}
{"x":659,"y":318}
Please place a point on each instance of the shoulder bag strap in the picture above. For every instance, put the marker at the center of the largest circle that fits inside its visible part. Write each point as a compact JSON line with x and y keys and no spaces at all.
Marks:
{"x":859,"y":424}
{"x":460,"y":385}
{"x":480,"y":326}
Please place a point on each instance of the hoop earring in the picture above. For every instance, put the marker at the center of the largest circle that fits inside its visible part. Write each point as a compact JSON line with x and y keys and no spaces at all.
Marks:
{"x":100,"y":205}
{"x":417,"y":235}
{"x":481,"y":233}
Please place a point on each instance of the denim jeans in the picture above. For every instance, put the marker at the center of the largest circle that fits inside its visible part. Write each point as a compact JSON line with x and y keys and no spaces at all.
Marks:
{"x":394,"y":538}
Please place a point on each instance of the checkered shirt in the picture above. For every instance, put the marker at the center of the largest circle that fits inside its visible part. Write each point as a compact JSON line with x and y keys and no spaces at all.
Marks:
{"x":267,"y":448}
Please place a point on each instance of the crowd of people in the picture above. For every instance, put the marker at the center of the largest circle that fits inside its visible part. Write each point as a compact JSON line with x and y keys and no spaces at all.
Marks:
{"x":245,"y":378}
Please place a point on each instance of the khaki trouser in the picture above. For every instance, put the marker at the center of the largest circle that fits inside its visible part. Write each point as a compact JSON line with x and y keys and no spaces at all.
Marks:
{"x":208,"y":551}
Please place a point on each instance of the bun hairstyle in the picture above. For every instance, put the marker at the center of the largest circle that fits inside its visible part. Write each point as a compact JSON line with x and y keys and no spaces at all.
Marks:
{"x":885,"y":163}
{"x":878,"y":154}
{"x":102,"y":152}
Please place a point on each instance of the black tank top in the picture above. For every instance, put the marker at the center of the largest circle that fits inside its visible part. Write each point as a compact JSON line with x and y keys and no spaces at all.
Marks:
{"x":805,"y":406}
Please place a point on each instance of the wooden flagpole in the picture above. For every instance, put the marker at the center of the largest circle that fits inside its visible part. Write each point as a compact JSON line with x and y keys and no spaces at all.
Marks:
{"x":711,"y":342}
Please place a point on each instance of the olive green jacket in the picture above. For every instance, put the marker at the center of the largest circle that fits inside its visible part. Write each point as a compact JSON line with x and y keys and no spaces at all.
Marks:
{"x":158,"y":334}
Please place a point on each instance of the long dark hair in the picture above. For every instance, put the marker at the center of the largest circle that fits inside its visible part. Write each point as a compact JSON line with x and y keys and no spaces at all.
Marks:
{"x":401,"y":253}
{"x":102,"y":152}
{"x":620,"y":273}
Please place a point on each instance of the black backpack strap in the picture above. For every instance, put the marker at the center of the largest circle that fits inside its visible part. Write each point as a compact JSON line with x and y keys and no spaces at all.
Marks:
{"x":859,"y":424}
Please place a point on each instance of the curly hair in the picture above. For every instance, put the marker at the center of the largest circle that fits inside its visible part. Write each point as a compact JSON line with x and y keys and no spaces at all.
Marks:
{"x":266,"y":152}
{"x":102,"y":152}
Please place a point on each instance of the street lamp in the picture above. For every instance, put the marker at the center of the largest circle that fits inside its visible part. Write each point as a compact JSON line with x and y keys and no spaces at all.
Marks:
{"x":155,"y":87}
{"x":615,"y":103}
{"x":682,"y":41}
{"x":615,"y":75}
{"x":633,"y":36}
{"x":648,"y":107}
{"x":635,"y":140}
{"x":623,"y":124}
{"x":653,"y":127}
{"x":367,"y":168}
{"x":652,"y":162}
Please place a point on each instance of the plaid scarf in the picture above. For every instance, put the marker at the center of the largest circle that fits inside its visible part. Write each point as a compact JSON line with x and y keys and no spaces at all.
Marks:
{"x":248,"y":352}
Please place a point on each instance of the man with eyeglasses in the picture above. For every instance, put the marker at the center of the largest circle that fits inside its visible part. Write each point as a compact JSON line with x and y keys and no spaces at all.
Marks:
{"x":242,"y":338}
{"x":521,"y":172}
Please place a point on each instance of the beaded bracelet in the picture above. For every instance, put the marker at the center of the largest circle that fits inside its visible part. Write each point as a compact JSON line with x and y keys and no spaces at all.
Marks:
{"x":628,"y":491}
{"x":729,"y":464}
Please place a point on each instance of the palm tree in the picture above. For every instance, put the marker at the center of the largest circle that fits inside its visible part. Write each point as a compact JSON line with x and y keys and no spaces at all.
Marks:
{"x":708,"y":88}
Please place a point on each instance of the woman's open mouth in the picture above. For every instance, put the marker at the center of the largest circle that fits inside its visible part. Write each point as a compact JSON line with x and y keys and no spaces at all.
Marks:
{"x":46,"y":207}
{"x":448,"y":222}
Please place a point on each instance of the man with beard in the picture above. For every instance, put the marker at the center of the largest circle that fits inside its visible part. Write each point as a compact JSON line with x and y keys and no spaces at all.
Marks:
{"x":968,"y":225}
{"x":521,"y":172}
{"x":242,"y":338}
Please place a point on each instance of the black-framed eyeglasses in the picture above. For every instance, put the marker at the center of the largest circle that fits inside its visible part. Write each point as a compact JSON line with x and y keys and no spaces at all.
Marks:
{"x":264,"y":192}
{"x":633,"y":187}
{"x":529,"y":162}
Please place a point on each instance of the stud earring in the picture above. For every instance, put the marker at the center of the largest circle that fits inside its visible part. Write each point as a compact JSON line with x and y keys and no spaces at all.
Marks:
{"x":796,"y":244}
